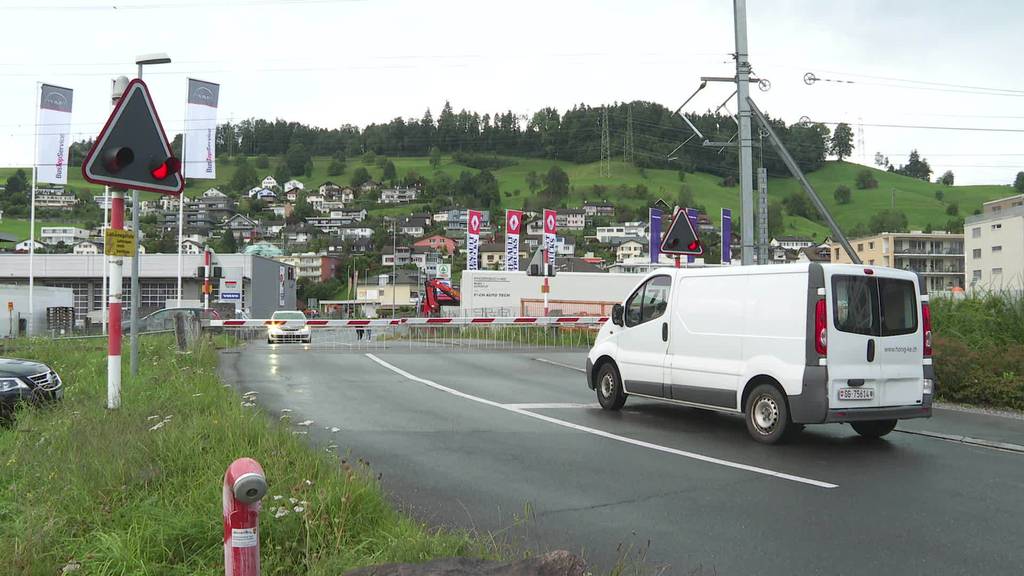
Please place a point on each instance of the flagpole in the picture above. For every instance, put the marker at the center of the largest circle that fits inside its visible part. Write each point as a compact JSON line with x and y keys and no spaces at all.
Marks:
{"x":181,"y":197}
{"x":32,"y":216}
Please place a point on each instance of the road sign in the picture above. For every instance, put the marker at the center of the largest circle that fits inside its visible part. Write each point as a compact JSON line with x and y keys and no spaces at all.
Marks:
{"x":119,"y":242}
{"x":10,"y":306}
{"x":132,"y":150}
{"x":681,"y":238}
{"x":444,"y":271}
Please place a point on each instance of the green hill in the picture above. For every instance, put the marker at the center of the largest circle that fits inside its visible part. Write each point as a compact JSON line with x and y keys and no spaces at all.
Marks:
{"x":916,"y":198}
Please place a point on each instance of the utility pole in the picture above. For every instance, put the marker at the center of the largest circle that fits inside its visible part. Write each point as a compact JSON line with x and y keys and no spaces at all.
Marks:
{"x":606,"y":147}
{"x":627,"y":152}
{"x":762,"y":216}
{"x":743,"y":114}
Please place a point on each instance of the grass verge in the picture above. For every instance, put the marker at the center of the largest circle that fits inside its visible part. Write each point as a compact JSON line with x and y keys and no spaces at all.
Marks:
{"x":138,"y":490}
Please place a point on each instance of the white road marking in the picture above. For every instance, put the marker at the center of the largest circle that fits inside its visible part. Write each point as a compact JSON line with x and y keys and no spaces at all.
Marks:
{"x":553,"y":363}
{"x":602,"y":433}
{"x":550,"y":406}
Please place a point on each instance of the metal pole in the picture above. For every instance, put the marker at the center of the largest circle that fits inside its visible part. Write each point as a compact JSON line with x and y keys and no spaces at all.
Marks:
{"x":394,"y":263}
{"x":746,"y":153}
{"x":116,"y":281}
{"x":181,"y":199}
{"x":762,"y":198}
{"x":32,"y":220}
{"x":136,"y":293}
{"x":794,"y":169}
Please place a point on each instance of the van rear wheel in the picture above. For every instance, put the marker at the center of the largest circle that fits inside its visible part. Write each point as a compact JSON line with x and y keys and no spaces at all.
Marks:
{"x":874,"y":428}
{"x":609,"y":388}
{"x":767,"y":414}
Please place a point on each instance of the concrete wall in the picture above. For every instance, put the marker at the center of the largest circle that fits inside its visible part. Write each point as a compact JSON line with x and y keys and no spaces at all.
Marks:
{"x":486,"y":293}
{"x":43,"y":297}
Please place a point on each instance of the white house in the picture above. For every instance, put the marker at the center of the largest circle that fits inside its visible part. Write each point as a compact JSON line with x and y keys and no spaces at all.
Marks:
{"x":316,"y":202}
{"x":269,"y":182}
{"x":189,"y":246}
{"x":214,"y":193}
{"x":24,"y":245}
{"x":67,"y":234}
{"x":56,"y":198}
{"x":398,"y":195}
{"x":292,"y":195}
{"x":629,"y":249}
{"x":571,"y":219}
{"x":355,"y":231}
{"x":293,"y":184}
{"x":791,"y":242}
{"x":254,"y":190}
{"x":88,"y":247}
{"x":266,"y":195}
{"x":621,"y":232}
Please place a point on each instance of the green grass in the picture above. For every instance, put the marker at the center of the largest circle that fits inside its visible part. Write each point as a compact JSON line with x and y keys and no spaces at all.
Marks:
{"x":103,"y":489}
{"x":915,"y":198}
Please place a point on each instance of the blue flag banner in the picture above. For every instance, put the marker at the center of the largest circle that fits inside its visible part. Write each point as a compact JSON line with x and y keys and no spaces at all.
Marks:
{"x":654,"y":241}
{"x":726,"y":235}
{"x":691,"y":215}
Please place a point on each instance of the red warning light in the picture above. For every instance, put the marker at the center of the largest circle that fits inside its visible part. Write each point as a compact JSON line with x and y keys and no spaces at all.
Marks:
{"x":693,"y":245}
{"x":165,"y":168}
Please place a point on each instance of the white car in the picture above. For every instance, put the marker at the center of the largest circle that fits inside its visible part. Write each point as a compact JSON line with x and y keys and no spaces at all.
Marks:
{"x":288,"y":326}
{"x":784,"y":345}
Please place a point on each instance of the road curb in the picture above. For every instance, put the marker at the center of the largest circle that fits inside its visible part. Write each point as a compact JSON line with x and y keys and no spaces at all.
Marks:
{"x":968,"y":440}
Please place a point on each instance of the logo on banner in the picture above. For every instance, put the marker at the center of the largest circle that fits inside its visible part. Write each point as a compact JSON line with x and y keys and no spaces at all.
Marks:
{"x":514,"y":223}
{"x":474,"y":223}
{"x":203,"y":95}
{"x":550,"y":220}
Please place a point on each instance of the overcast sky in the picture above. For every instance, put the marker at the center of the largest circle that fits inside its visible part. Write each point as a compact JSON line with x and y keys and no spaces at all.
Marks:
{"x":329,"y":62}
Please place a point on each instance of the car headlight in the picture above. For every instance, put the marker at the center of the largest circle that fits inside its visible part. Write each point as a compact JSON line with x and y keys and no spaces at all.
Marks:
{"x":8,"y":384}
{"x":274,"y":331}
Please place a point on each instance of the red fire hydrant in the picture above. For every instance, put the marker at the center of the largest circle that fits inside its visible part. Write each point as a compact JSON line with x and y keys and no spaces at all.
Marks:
{"x":244,"y":486}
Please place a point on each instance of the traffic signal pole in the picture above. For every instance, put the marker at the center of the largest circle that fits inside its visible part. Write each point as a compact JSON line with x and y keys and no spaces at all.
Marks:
{"x":116,"y":280}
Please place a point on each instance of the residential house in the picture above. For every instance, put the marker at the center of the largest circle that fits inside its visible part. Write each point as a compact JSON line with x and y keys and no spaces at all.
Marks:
{"x":328,"y":206}
{"x":995,"y":245}
{"x":362,"y":245}
{"x":273,"y":228}
{"x":298,"y":234}
{"x":602,"y":209}
{"x":242,"y":227}
{"x":23,"y":246}
{"x":386,"y":291}
{"x":571,"y":219}
{"x":815,"y":254}
{"x":214,"y":193}
{"x":440,"y":217}
{"x":458,"y":220}
{"x":293,"y":185}
{"x":398,"y":195}
{"x":316,"y":202}
{"x":292,"y":195}
{"x":937,"y":256}
{"x":269,"y":182}
{"x":312,"y":266}
{"x":189,"y":246}
{"x":369,"y":186}
{"x":252,"y":191}
{"x":399,"y":256}
{"x":354,"y":231}
{"x":327,"y":224}
{"x":629,"y":249}
{"x":280,"y":211}
{"x":619,"y":233}
{"x":89,"y":247}
{"x":264,"y":195}
{"x":438,"y":243}
{"x":350,"y":215}
{"x":792,"y":242}
{"x":55,"y":199}
{"x":492,"y":254}
{"x":67,"y":235}
{"x":574,"y":264}
{"x":413,"y":226}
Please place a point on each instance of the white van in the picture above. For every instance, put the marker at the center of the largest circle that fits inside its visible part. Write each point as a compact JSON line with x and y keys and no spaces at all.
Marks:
{"x":785,"y":345}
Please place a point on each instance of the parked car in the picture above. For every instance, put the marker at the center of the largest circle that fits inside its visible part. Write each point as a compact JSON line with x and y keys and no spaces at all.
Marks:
{"x":784,"y":345}
{"x":164,"y":319}
{"x":28,"y":382}
{"x":288,"y":326}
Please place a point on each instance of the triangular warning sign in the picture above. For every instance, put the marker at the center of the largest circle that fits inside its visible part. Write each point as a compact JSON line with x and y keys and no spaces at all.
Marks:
{"x":132,"y":150}
{"x":681,"y":238}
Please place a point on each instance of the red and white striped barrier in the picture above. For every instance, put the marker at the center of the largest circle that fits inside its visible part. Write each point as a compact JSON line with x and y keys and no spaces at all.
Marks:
{"x":568,"y":321}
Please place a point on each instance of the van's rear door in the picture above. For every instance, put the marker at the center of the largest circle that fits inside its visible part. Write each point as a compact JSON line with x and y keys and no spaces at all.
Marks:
{"x":874,"y":338}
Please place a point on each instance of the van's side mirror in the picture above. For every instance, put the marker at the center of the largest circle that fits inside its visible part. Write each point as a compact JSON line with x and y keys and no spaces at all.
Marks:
{"x":617,"y":315}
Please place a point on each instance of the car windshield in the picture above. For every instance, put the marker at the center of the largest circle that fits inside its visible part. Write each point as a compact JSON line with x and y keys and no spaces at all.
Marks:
{"x":293,"y":315}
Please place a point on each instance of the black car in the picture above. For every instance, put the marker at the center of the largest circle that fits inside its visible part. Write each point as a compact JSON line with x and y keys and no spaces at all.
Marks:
{"x":26,"y":381}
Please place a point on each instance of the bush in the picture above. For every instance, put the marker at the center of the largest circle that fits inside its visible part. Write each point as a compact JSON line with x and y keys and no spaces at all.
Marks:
{"x":482,"y":161}
{"x":842,"y":194}
{"x":865,"y":180}
{"x":990,"y":375}
{"x":729,"y":182}
{"x":952,"y":209}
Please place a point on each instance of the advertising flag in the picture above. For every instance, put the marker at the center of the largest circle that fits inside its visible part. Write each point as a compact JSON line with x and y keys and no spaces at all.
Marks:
{"x":654,"y":242}
{"x":473,"y":221}
{"x":726,"y":236}
{"x":550,"y":234}
{"x":513,"y":225}
{"x":201,"y":129}
{"x":54,"y":134}
{"x":691,"y":215}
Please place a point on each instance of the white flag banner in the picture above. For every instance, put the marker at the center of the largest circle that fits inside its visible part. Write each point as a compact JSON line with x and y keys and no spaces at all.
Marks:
{"x":54,"y":134}
{"x":201,"y":130}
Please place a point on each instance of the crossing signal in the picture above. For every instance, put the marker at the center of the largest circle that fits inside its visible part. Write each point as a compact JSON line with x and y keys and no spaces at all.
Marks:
{"x":681,"y":239}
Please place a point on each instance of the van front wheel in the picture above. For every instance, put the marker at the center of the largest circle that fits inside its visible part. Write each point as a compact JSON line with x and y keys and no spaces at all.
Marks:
{"x":767,"y":414}
{"x":609,"y":388}
{"x":874,"y":428}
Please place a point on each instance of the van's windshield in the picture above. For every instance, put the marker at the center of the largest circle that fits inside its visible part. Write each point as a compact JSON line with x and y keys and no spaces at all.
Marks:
{"x":874,"y":306}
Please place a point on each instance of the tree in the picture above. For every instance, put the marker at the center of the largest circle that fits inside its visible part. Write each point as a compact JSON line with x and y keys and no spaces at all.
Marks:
{"x":842,"y":194}
{"x":953,"y":209}
{"x":797,"y":204}
{"x":685,"y":198}
{"x":360,"y":176}
{"x":389,"y":171}
{"x":369,"y":157}
{"x":17,"y":184}
{"x":245,"y":176}
{"x":282,"y":174}
{"x":947,"y":178}
{"x":532,"y":181}
{"x":916,"y":167}
{"x":435,"y":157}
{"x":866,"y":180}
{"x":297,"y":158}
{"x":939,"y":195}
{"x":336,"y":168}
{"x":556,"y":183}
{"x":227,"y":244}
{"x":776,"y":224}
{"x":842,"y":141}
{"x":263,"y":161}
{"x":888,"y":221}
{"x":1018,"y":182}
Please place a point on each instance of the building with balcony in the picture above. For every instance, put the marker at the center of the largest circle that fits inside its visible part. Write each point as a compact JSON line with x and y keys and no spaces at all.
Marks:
{"x":994,"y":241}
{"x":67,"y":235}
{"x":312,"y":266}
{"x":55,"y":198}
{"x":937,"y":256}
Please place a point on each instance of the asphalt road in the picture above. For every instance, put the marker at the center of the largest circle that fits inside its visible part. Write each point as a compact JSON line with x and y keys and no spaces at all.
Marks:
{"x":503,"y":442}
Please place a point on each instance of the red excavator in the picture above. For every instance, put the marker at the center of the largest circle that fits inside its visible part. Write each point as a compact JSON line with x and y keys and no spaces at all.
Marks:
{"x":437,"y":293}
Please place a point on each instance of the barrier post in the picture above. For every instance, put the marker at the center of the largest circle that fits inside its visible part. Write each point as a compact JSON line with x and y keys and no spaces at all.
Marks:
{"x":244,"y":487}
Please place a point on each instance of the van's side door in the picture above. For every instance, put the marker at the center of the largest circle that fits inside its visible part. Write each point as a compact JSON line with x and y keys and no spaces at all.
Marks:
{"x":643,"y":342}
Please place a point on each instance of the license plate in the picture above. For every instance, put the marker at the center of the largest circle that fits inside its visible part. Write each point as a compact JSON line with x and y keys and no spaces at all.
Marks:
{"x":856,"y":393}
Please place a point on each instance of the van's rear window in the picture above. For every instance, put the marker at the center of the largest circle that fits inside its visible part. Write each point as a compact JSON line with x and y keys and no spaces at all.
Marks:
{"x":874,"y":306}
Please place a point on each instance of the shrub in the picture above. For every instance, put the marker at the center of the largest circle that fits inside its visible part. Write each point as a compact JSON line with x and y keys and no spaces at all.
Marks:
{"x":990,"y":375}
{"x":865,"y":180}
{"x":482,"y":161}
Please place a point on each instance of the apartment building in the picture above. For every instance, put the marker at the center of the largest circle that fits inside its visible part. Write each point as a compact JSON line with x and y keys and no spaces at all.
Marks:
{"x":937,"y":256}
{"x":62,"y":234}
{"x":994,"y":241}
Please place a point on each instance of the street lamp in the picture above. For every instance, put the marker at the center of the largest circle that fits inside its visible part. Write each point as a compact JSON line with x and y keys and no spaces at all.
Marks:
{"x":140,"y":61}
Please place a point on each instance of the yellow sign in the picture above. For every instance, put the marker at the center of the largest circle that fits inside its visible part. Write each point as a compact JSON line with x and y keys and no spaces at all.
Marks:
{"x":119,"y":243}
